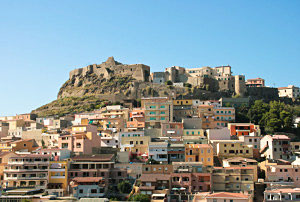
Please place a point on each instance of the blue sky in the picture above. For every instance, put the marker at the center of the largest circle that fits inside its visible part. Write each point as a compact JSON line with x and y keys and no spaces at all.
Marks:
{"x":41,"y":41}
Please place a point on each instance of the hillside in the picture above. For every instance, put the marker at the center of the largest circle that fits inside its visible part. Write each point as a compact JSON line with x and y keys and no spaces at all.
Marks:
{"x":70,"y":105}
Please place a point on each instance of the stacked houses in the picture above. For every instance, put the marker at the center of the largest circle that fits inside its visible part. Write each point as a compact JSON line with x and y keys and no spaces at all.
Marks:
{"x":168,"y":150}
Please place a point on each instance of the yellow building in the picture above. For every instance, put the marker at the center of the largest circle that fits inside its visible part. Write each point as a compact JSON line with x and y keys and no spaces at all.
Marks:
{"x":233,"y":179}
{"x":233,"y":148}
{"x":58,"y":177}
{"x":199,"y":153}
{"x":182,"y":102}
{"x":137,"y":145}
{"x":193,"y":132}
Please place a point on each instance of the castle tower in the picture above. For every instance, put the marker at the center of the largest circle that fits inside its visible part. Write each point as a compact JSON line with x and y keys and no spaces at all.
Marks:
{"x":240,"y":84}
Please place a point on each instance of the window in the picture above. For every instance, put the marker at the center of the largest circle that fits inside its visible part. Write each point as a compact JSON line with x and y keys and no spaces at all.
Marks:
{"x":80,"y":191}
{"x":93,"y":191}
{"x":162,"y":118}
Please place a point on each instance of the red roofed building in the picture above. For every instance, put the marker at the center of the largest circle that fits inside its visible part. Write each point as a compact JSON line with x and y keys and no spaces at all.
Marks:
{"x":227,"y":196}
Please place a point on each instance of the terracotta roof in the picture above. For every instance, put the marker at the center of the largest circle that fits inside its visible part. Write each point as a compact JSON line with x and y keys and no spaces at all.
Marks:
{"x":240,"y":159}
{"x":154,"y":177}
{"x":4,"y":153}
{"x":228,"y":195}
{"x":280,"y":137}
{"x":102,"y":157}
{"x":32,"y":156}
{"x":87,"y":179}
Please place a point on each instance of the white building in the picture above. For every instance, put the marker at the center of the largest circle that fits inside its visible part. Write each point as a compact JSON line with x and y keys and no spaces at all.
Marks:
{"x":158,"y":151}
{"x":291,"y":91}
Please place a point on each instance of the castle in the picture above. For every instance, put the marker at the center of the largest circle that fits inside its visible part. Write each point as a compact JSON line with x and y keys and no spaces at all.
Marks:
{"x":111,"y":68}
{"x":217,"y":78}
{"x":213,"y":79}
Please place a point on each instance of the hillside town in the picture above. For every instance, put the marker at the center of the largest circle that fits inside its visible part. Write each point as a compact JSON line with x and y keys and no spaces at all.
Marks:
{"x":159,"y":149}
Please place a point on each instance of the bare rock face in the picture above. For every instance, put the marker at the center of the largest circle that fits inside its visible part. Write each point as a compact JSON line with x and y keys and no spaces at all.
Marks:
{"x":105,"y":78}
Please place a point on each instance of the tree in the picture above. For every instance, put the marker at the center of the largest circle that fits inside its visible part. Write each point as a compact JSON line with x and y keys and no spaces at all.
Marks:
{"x":124,"y":187}
{"x":152,"y":161}
{"x":257,"y":110}
{"x":169,"y":83}
{"x":140,"y":198}
{"x":187,"y":85}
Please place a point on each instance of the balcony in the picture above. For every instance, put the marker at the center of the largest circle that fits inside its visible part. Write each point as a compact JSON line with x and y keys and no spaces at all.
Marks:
{"x":26,"y":170}
{"x":27,"y":162}
{"x":27,"y":178}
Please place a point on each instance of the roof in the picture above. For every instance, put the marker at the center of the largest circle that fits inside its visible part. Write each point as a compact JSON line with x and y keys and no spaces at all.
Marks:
{"x":280,"y":137}
{"x":288,"y":190}
{"x":198,"y":146}
{"x":32,"y":156}
{"x":240,"y":159}
{"x":154,"y":177}
{"x":230,"y":168}
{"x":102,"y":157}
{"x":87,"y":179}
{"x":228,"y":195}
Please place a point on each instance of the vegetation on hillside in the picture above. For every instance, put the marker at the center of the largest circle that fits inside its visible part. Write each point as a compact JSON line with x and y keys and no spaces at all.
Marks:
{"x":272,"y":117}
{"x":70,"y":105}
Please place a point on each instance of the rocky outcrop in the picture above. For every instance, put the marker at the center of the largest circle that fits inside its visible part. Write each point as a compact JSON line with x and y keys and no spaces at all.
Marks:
{"x":109,"y":77}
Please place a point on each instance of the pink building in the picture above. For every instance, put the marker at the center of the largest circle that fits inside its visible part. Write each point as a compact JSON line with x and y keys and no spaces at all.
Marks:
{"x":172,"y":129}
{"x":257,"y":82}
{"x":192,"y":176}
{"x":283,"y":175}
{"x":82,"y":140}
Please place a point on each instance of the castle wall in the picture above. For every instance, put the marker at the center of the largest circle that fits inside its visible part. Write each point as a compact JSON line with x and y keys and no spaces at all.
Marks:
{"x":75,"y":72}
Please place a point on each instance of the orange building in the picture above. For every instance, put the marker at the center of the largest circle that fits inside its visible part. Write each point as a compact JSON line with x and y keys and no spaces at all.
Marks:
{"x":136,"y":119}
{"x":199,"y":153}
{"x":19,"y":145}
{"x":243,"y":129}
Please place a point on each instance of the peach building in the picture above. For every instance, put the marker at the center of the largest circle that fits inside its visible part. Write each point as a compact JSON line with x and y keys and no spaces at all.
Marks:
{"x":157,"y":110}
{"x":223,"y":115}
{"x":82,"y":139}
{"x":257,"y":82}
{"x":28,"y":145}
{"x":199,"y":153}
{"x":136,"y":119}
{"x":205,"y":112}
